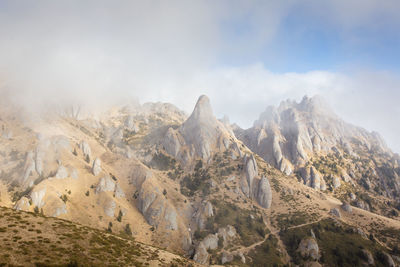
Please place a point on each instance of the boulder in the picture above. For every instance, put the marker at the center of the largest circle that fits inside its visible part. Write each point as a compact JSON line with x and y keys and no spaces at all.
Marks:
{"x":227,"y":234}
{"x":309,"y":248}
{"x":37,"y":197}
{"x":61,"y":172}
{"x":335,"y":212}
{"x":211,"y":241}
{"x":388,"y":260}
{"x":84,"y":146}
{"x":315,"y":178}
{"x":96,"y":168}
{"x":201,"y":255}
{"x":106,"y":184}
{"x":22,"y":204}
{"x":346,"y":207}
{"x":109,"y":208}
{"x":226,"y":257}
{"x":74,"y":173}
{"x":251,"y":170}
{"x":118,"y":191}
{"x":335,"y":182}
{"x":368,"y":257}
{"x":264,"y":194}
{"x":362,"y":205}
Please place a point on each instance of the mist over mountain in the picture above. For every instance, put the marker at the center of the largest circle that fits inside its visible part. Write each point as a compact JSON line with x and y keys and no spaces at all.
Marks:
{"x":199,"y":133}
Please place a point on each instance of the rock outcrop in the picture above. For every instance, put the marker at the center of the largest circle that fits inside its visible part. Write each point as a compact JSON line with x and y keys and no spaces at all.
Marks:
{"x":264,"y":194}
{"x":96,"y":168}
{"x":201,"y":255}
{"x":309,"y":248}
{"x":252,"y":186}
{"x":84,"y":146}
{"x":22,"y":204}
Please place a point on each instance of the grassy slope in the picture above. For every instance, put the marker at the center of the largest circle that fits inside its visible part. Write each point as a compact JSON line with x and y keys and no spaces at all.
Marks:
{"x":30,"y":239}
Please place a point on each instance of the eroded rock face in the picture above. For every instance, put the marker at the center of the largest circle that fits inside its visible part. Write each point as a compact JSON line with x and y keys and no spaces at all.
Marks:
{"x":96,"y":168}
{"x":309,"y":248}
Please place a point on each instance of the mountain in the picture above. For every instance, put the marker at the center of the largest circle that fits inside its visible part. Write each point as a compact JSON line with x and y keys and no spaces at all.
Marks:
{"x":328,"y":154}
{"x":287,"y":191}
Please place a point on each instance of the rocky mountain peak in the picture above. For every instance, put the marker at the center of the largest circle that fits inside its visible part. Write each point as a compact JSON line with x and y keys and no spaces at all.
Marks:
{"x":202,"y":132}
{"x":202,"y":110}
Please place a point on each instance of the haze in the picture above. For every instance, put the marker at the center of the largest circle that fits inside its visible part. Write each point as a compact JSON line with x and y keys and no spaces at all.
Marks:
{"x":245,"y":55}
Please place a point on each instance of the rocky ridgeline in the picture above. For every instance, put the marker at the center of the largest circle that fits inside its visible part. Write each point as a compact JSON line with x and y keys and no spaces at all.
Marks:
{"x":295,"y":137}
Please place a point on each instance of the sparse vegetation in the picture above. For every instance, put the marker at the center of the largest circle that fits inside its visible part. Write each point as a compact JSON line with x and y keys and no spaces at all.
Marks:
{"x":340,"y":244}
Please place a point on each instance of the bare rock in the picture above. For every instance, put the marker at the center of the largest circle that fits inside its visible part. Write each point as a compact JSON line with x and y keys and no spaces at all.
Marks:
{"x":335,"y":212}
{"x":264,"y":194}
{"x":62,"y":172}
{"x":335,"y":182}
{"x":368,"y":256}
{"x":96,"y":168}
{"x":389,"y":260}
{"x":171,"y":142}
{"x":22,"y":204}
{"x":362,"y":205}
{"x":84,"y":146}
{"x":201,"y":255}
{"x":109,"y":208}
{"x":346,"y":207}
{"x":106,"y":184}
{"x":309,"y":248}
{"x":171,"y":219}
{"x":226,"y":257}
{"x":227,"y":234}
{"x":74,"y":173}
{"x":211,"y":241}
{"x":118,"y":192}
{"x":37,"y":197}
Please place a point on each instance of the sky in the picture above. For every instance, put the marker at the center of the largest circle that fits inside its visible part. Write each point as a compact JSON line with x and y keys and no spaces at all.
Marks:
{"x":245,"y":55}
